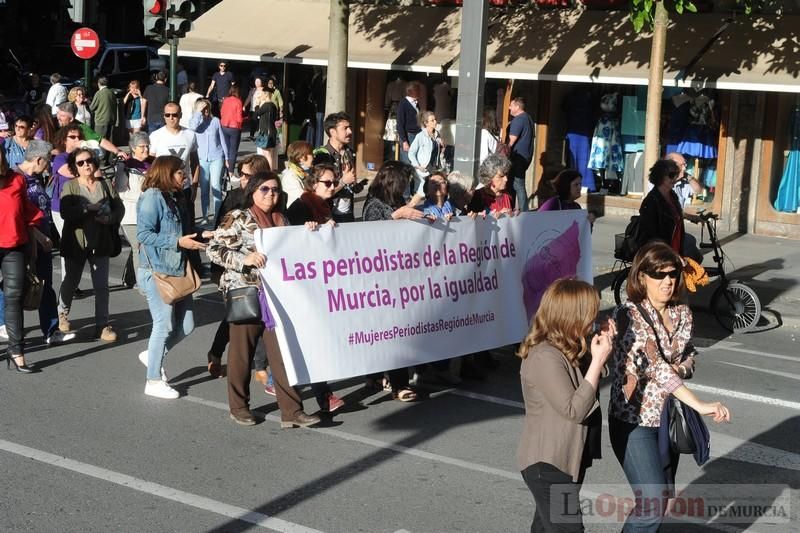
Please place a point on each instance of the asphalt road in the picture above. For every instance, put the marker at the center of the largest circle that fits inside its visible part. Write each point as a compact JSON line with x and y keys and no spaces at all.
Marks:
{"x":82,"y":448}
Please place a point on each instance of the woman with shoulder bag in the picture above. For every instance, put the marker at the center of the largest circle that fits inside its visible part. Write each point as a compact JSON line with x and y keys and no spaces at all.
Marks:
{"x":163,"y":230}
{"x":653,"y":354}
{"x":233,"y":247}
{"x":92,"y":211}
{"x":560,"y":388}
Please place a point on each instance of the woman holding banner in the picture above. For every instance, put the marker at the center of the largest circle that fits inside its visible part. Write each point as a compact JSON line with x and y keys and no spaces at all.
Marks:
{"x":233,"y":247}
{"x":312,"y":209}
{"x":385,"y":202}
{"x":492,"y":198}
{"x":559,"y":385}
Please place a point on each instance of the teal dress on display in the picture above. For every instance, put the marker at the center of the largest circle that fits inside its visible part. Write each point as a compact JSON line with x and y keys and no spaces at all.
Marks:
{"x":788,"y":199}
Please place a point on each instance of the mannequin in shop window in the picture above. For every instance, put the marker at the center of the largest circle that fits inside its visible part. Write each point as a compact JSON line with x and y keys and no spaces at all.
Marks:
{"x":700,"y":139}
{"x":579,"y":107}
{"x":395,"y":90}
{"x":442,"y":100}
{"x":634,"y":113}
{"x":605,"y":155}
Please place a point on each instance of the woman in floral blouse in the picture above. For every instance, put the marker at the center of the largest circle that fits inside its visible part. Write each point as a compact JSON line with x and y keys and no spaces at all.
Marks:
{"x":648,"y":366}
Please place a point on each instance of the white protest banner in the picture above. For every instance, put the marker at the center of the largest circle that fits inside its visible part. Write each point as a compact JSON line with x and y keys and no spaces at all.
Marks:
{"x":368,"y":297}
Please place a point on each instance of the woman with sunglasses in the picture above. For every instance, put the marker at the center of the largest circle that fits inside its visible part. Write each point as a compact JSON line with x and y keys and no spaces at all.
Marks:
{"x":653,"y":355}
{"x":312,"y":209}
{"x":92,"y":210}
{"x":233,"y":247}
{"x":16,"y":145}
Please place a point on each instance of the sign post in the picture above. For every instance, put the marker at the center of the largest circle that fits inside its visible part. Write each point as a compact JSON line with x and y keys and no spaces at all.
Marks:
{"x":85,"y":44}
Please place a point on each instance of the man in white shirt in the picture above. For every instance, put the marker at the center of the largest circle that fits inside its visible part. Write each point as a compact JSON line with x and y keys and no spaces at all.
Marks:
{"x":173,"y":139}
{"x":57,"y":94}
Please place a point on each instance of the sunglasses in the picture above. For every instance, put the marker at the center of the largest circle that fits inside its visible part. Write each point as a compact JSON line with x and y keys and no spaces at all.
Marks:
{"x":329,"y":184}
{"x":243,"y":174}
{"x":172,"y":115}
{"x":83,"y":162}
{"x":266,"y":190}
{"x":661,"y":275}
{"x":73,"y":136}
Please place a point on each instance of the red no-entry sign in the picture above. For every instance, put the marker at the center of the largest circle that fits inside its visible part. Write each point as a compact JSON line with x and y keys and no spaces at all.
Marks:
{"x":85,"y":43}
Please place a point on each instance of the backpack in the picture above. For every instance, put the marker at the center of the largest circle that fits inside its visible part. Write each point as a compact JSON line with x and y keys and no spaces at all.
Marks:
{"x":627,"y":244}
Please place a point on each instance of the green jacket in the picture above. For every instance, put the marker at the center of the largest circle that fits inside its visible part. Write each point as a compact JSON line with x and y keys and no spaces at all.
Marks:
{"x":83,"y":235}
{"x":104,"y":107}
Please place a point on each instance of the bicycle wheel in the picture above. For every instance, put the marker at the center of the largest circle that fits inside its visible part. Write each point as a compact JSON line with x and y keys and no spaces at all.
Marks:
{"x":619,"y":284}
{"x":736,"y":307}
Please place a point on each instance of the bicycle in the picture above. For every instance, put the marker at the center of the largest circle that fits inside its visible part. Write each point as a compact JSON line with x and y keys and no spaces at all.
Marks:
{"x":735,"y":305}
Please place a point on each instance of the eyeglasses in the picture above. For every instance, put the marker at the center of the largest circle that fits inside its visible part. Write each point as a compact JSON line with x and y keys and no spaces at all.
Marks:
{"x":172,"y":115}
{"x":329,"y":183}
{"x":73,"y":136}
{"x":20,"y":127}
{"x":83,"y":162}
{"x":661,"y":275}
{"x":142,"y":146}
{"x":267,"y":190}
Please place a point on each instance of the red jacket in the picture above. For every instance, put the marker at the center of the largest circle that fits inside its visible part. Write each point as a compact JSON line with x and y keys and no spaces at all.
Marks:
{"x":230,"y":113}
{"x":17,"y":213}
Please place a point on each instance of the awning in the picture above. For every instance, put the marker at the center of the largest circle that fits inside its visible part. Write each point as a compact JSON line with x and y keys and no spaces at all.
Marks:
{"x":703,"y":50}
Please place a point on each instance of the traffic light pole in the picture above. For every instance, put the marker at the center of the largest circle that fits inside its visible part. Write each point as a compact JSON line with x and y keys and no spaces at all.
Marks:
{"x":87,"y":76}
{"x":173,"y":68}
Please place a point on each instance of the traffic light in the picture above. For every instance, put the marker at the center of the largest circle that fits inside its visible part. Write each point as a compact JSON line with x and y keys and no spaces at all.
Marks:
{"x":155,"y":23}
{"x":180,"y":14}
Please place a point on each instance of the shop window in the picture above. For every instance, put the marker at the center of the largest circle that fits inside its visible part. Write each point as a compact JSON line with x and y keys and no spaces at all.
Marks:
{"x":785,"y":175}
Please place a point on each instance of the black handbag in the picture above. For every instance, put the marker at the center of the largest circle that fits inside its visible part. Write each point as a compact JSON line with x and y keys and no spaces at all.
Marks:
{"x":242,"y":306}
{"x":32,"y":295}
{"x":681,"y":438}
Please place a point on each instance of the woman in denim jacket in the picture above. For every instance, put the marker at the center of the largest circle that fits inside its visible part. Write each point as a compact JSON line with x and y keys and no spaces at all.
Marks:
{"x":163,"y":230}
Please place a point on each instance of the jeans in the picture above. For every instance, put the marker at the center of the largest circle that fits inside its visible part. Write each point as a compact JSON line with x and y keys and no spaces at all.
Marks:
{"x":516,"y":181}
{"x":211,"y":175}
{"x":171,"y":323}
{"x":556,"y":496}
{"x":636,"y":448}
{"x":98,"y":266}
{"x":12,"y":264}
{"x":233,"y":137}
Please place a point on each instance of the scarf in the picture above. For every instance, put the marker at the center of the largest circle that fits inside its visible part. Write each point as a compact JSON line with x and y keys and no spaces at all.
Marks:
{"x":320,"y":209}
{"x":266,"y":220}
{"x":297,"y":169}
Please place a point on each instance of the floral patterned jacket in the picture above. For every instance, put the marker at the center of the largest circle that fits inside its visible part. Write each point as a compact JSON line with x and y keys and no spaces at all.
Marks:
{"x":234,"y":240}
{"x":641,"y":377}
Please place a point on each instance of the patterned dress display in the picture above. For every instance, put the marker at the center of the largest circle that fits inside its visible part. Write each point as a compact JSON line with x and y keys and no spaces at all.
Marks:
{"x":606,"y":151}
{"x":700,"y":139}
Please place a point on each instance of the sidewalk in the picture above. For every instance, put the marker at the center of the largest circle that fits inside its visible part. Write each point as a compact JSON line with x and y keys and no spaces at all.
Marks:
{"x":768,"y":265}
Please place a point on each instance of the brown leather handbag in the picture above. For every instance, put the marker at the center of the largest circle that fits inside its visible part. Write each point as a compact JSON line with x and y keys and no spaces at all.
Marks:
{"x":175,"y":288}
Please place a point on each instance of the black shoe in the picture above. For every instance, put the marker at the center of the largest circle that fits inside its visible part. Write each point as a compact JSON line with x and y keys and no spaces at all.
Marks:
{"x":22,"y":369}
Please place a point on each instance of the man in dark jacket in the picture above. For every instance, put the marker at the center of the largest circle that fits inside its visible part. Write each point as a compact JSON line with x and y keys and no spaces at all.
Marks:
{"x":407,"y":122}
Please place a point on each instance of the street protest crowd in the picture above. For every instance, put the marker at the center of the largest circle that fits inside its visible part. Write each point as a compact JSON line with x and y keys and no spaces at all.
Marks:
{"x":54,"y":194}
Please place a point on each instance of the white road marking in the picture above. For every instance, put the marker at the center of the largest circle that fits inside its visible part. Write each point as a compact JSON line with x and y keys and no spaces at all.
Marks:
{"x":734,"y":347}
{"x":155,"y":489}
{"x":789,"y":375}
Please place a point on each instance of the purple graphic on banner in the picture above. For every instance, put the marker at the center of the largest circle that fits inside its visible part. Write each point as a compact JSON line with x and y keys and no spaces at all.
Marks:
{"x":551,"y":256}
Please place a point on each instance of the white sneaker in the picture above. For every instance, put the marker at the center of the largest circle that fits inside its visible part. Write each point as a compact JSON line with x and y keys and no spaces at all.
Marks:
{"x":3,"y":332}
{"x":160,"y":389}
{"x":143,"y":359}
{"x":57,"y":337}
